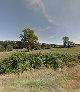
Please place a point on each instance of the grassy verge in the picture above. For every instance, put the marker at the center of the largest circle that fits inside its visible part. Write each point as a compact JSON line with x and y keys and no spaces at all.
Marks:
{"x":45,"y":80}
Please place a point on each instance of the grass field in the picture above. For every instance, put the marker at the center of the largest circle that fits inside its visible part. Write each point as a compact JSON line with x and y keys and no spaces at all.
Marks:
{"x":43,"y":80}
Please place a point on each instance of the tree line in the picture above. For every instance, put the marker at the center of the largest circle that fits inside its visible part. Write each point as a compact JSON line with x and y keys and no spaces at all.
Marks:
{"x":30,"y":41}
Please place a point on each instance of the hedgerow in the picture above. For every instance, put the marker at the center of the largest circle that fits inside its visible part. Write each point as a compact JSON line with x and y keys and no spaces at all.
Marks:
{"x":19,"y":62}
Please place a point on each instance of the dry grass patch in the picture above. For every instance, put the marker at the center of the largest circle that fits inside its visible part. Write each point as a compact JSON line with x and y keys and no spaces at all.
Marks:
{"x":45,"y":80}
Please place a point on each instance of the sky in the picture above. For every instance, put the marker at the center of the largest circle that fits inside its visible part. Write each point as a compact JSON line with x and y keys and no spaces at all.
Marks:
{"x":50,"y":19}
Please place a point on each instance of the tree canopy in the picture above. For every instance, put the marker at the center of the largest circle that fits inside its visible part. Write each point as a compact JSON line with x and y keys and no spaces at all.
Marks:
{"x":29,"y":38}
{"x":65,"y":41}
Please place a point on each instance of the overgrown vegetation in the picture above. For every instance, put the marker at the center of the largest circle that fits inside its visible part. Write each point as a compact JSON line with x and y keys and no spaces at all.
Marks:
{"x":19,"y":62}
{"x":43,"y":80}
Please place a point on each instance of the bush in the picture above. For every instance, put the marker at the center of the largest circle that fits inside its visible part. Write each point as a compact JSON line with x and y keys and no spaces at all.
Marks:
{"x":1,"y":48}
{"x":35,"y":61}
{"x":19,"y":62}
{"x":50,"y":60}
{"x":68,"y":59}
{"x":9,"y":48}
{"x":15,"y":63}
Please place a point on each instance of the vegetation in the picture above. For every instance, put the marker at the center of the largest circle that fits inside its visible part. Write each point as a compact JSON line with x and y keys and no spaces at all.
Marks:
{"x":1,"y":48}
{"x":67,"y":43}
{"x":45,"y":66}
{"x":29,"y":38}
{"x":43,"y":80}
{"x":19,"y":62}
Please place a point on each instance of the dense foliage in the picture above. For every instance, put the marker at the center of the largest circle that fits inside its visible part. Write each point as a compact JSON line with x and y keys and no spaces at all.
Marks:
{"x":29,"y":38}
{"x":67,"y":43}
{"x":1,"y":48}
{"x":19,"y":62}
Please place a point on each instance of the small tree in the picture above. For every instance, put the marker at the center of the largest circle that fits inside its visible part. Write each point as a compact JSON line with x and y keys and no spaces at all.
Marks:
{"x":29,"y":38}
{"x":65,"y":41}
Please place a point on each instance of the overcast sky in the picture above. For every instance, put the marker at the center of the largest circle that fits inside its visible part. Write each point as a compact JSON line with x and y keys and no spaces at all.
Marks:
{"x":50,"y":19}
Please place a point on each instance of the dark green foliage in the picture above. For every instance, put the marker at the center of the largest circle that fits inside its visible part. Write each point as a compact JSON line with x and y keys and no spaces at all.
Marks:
{"x":67,"y":43}
{"x":43,"y":45}
{"x":1,"y":48}
{"x":6,"y":46}
{"x":35,"y":61}
{"x":71,"y":44}
{"x":15,"y":63}
{"x":50,"y":60}
{"x":20,"y":62}
{"x":53,"y":45}
{"x":48,"y":46}
{"x":9,"y":47}
{"x":36,"y":46}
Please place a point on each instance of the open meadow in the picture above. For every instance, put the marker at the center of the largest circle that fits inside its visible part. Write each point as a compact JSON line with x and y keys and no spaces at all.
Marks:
{"x":43,"y":80}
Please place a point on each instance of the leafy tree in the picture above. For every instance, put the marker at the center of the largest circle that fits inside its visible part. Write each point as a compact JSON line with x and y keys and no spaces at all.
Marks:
{"x":43,"y":46}
{"x":71,"y":44}
{"x":29,"y":38}
{"x":65,"y":41}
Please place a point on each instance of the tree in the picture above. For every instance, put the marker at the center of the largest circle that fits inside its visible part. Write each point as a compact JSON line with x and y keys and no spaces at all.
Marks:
{"x":71,"y":44}
{"x":5,"y":45}
{"x":29,"y":38}
{"x":43,"y":46}
{"x":65,"y":41}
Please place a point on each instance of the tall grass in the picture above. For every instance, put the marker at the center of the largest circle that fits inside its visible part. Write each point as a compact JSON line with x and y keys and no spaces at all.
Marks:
{"x":44,"y":80}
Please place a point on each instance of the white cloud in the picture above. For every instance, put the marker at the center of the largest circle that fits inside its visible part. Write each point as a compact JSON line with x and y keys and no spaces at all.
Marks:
{"x":39,"y":5}
{"x":42,"y":29}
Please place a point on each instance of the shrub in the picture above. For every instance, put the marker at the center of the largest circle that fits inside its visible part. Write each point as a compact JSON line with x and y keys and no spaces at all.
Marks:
{"x":35,"y":61}
{"x":51,"y":61}
{"x":68,"y":59}
{"x":1,"y":48}
{"x":15,"y":63}
{"x":9,"y":48}
{"x":19,"y":62}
